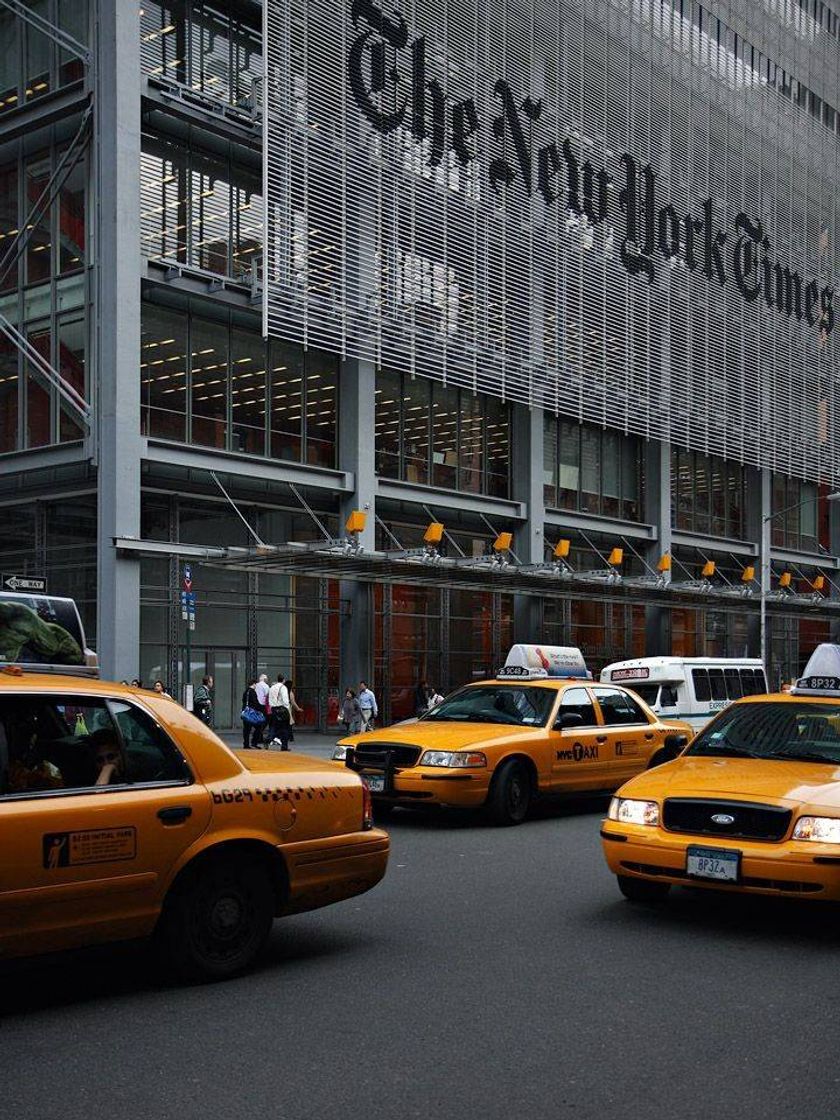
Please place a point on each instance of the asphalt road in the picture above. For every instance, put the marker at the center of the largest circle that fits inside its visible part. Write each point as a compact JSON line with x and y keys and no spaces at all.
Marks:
{"x":495,"y":973}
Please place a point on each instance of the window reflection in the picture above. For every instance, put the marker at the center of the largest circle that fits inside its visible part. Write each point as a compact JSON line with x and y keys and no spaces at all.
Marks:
{"x":591,"y":469}
{"x":707,"y":494}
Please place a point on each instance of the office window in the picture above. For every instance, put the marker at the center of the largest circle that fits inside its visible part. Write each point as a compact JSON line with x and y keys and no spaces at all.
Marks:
{"x":430,"y":433}
{"x":798,"y":512}
{"x":707,"y":494}
{"x":591,"y":469}
{"x":163,"y":373}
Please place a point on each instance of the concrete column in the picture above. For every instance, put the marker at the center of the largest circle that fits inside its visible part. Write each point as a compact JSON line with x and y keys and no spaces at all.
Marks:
{"x":115,"y":195}
{"x":658,"y":511}
{"x":357,"y":455}
{"x":527,"y":435}
{"x":834,"y":549}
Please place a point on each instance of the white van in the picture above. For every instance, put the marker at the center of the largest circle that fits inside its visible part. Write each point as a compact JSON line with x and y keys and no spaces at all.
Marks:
{"x":44,"y":634}
{"x":689,"y":688}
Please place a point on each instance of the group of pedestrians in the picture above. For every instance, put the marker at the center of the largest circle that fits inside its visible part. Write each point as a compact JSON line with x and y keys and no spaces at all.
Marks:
{"x":358,"y":709}
{"x":268,"y":713}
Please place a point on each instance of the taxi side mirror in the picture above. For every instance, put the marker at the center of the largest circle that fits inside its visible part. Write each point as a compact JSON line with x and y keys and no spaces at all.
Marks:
{"x":568,"y":719}
{"x":675,"y":743}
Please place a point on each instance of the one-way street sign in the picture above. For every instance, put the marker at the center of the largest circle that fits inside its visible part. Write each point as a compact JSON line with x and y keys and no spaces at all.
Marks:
{"x":36,"y":584}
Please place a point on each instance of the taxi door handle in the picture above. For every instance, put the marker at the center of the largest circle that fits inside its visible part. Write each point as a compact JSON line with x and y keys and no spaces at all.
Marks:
{"x":649,"y":735}
{"x":175,"y":814}
{"x":600,"y":738}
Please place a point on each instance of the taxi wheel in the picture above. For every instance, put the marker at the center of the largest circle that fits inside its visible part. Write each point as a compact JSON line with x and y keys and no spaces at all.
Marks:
{"x":510,"y":794}
{"x":383,"y":810}
{"x":218,"y":919}
{"x":642,"y":890}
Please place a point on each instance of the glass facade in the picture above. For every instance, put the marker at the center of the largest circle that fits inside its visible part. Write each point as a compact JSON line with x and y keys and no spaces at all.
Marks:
{"x":707,"y":494}
{"x":214,"y":383}
{"x":203,"y":47}
{"x":796,"y":508}
{"x":199,"y":209}
{"x":594,"y":470}
{"x":31,"y":64}
{"x":438,"y":436}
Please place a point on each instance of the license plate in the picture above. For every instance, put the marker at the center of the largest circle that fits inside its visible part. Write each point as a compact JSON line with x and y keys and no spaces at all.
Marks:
{"x":375,"y":782}
{"x":713,"y":863}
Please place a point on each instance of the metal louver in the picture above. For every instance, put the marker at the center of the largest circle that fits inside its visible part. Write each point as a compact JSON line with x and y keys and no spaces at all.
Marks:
{"x":507,"y":265}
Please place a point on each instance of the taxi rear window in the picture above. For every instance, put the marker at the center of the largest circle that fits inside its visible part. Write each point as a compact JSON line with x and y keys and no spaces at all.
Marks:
{"x":522,"y":705}
{"x":780,"y":730}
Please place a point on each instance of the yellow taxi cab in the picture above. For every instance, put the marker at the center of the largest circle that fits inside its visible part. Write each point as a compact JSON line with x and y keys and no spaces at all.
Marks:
{"x":752,"y":805}
{"x":541,"y":727}
{"x":122,"y":815}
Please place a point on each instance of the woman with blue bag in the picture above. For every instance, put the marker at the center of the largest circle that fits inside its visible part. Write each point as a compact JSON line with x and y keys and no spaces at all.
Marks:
{"x":253,"y":718}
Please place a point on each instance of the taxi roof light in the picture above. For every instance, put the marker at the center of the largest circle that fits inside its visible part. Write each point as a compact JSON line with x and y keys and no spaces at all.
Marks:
{"x":822,"y":673}
{"x":532,"y":661}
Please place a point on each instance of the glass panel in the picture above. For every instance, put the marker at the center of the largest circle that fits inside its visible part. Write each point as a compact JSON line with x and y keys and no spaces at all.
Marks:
{"x":718,"y":496}
{"x":590,"y":461}
{"x":702,"y":688}
{"x":163,"y":201}
{"x":8,"y":395}
{"x":498,"y":447}
{"x":247,"y":225}
{"x":163,"y":39}
{"x":286,"y":401}
{"x":9,"y":216}
{"x":247,"y":392}
{"x":163,"y":373}
{"x":550,"y":464}
{"x":210,"y":201}
{"x":415,"y":421}
{"x":9,"y":64}
{"x":445,"y":405}
{"x":209,"y":348}
{"x":808,"y":516}
{"x":569,"y":465}
{"x":630,"y":454}
{"x":735,"y":504}
{"x":71,"y":366}
{"x":71,"y":221}
{"x":38,"y":248}
{"x":717,"y":684}
{"x":38,"y":54}
{"x":387,"y":423}
{"x":38,"y":426}
{"x":470,"y":444}
{"x":72,"y":18}
{"x":149,"y":756}
{"x":578,"y":701}
{"x":210,"y":52}
{"x":321,"y":408}
{"x":611,"y":473}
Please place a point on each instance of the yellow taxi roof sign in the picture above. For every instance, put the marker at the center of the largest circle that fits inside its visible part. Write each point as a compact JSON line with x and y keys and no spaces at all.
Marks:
{"x":822,"y":673}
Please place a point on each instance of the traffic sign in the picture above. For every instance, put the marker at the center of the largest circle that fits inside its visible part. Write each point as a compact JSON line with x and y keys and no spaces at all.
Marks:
{"x":36,"y":584}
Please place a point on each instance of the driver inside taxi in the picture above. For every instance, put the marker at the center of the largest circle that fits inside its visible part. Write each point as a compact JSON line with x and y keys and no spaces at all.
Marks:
{"x":109,"y":760}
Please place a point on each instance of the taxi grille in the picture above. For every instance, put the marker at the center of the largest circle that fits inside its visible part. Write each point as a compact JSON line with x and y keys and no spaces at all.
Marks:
{"x":748,"y":821}
{"x":379,"y":755}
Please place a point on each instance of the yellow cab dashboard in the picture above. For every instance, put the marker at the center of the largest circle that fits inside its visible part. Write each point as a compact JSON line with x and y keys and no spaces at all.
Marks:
{"x":752,"y":805}
{"x":542,"y":726}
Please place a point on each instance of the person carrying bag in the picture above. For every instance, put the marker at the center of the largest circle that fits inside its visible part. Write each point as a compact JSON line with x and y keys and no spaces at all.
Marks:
{"x":252,"y":718}
{"x":281,"y":714}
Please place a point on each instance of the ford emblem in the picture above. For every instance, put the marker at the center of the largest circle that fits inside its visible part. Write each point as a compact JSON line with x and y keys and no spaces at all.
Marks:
{"x":723,"y":818}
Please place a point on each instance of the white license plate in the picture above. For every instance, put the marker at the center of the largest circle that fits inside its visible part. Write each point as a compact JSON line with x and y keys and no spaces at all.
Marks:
{"x":376,"y":782}
{"x":713,"y":863}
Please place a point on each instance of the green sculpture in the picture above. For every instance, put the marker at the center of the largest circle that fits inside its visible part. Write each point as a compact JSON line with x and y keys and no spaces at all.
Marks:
{"x":24,"y":637}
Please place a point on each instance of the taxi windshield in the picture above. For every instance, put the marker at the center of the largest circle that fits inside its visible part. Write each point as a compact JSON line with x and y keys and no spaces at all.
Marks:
{"x":786,"y":730}
{"x":517,"y":705}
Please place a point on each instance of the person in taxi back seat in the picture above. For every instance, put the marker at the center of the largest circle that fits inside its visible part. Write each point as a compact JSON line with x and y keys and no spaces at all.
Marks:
{"x":109,"y":760}
{"x":28,"y":768}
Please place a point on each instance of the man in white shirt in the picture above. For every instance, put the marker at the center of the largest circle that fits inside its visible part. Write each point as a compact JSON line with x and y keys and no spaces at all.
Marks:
{"x":278,"y":701}
{"x":261,"y":689}
{"x":368,"y":706}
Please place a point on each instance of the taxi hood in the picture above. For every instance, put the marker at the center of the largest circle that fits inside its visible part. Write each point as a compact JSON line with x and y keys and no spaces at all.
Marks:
{"x":284,"y":763}
{"x":787,"y":782}
{"x":444,"y":736}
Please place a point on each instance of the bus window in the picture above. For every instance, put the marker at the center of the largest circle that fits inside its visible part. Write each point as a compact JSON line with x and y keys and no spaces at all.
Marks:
{"x":750,"y":682}
{"x":760,"y":682}
{"x":702,"y":690}
{"x":668,"y":696}
{"x":717,"y":684}
{"x":733,"y":684}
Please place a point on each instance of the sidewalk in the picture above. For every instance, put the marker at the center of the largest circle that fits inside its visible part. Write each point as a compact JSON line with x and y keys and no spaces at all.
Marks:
{"x":306,"y":742}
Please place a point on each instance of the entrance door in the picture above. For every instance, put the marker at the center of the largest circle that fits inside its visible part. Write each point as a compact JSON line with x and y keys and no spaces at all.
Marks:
{"x":229,"y":670}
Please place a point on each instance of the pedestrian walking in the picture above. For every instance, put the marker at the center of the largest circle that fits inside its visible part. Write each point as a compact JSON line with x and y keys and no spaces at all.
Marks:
{"x":350,"y":714}
{"x":203,"y":701}
{"x":368,"y":706}
{"x":295,"y":709}
{"x":261,"y":689}
{"x":435,"y":698}
{"x":253,"y":719}
{"x":160,"y":688}
{"x":421,"y":698}
{"x":281,"y":715}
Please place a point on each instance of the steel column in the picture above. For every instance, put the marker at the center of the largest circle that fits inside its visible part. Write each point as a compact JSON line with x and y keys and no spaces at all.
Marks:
{"x":658,"y":483}
{"x":527,"y":487}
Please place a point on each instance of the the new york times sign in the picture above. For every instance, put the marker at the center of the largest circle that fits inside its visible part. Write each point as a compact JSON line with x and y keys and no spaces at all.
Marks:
{"x":394,"y":87}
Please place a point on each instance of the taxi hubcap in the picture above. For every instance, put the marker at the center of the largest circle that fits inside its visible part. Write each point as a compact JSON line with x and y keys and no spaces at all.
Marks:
{"x":226,"y":915}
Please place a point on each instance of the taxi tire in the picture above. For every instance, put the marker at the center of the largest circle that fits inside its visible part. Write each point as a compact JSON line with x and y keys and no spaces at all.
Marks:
{"x":642,"y":890}
{"x":218,"y":918}
{"x":383,"y":810}
{"x":510,"y":794}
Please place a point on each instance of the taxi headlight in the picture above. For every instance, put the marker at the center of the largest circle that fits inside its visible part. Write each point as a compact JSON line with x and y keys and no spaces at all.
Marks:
{"x":457,"y":759}
{"x":340,"y":752}
{"x":628,"y":811}
{"x":825,"y":830}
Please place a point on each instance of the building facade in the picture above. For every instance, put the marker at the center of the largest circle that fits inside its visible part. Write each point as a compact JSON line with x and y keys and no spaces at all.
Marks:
{"x":563,"y":274}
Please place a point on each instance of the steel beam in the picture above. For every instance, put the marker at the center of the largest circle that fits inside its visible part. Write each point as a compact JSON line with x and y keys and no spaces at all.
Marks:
{"x":58,"y":35}
{"x":247,"y":466}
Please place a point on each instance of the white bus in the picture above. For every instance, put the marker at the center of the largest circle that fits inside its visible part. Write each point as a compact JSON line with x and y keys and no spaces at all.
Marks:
{"x":689,"y":688}
{"x":44,"y":634}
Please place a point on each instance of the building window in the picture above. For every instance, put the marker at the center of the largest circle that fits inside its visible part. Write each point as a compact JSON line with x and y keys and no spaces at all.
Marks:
{"x":707,"y":494}
{"x":200,"y":46}
{"x":592,"y":470}
{"x":215,"y":383}
{"x":31,"y":64}
{"x":799,"y":513}
{"x":434,"y":434}
{"x":199,"y":209}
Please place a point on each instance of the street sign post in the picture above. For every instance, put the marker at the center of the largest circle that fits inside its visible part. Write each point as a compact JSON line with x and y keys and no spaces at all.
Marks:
{"x":188,"y":615}
{"x":36,"y":584}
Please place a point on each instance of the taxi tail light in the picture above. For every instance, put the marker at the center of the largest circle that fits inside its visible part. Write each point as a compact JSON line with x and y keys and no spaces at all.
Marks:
{"x":367,"y":807}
